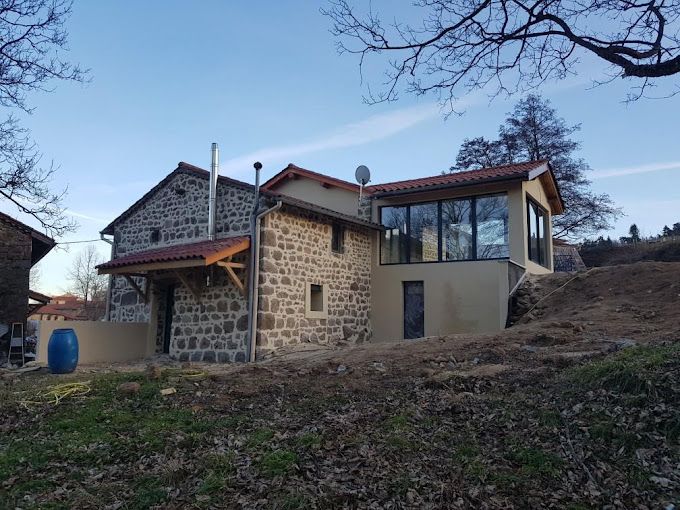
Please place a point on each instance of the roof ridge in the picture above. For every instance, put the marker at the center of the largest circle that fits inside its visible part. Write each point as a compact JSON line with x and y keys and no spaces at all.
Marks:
{"x":463,"y":172}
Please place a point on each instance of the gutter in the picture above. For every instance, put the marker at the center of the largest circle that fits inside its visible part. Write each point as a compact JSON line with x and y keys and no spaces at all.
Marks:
{"x":437,"y":187}
{"x":253,"y":286}
{"x":107,"y":315}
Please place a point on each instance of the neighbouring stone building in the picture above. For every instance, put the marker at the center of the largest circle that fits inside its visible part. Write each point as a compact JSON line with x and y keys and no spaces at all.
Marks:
{"x":324,"y":261}
{"x":21,"y":247}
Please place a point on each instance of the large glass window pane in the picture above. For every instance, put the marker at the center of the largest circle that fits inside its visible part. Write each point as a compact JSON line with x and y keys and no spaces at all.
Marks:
{"x":541,"y":238}
{"x":532,"y":231}
{"x":457,"y":229}
{"x":424,"y":232}
{"x":492,"y":227}
{"x":538,"y":247}
{"x":393,"y":244}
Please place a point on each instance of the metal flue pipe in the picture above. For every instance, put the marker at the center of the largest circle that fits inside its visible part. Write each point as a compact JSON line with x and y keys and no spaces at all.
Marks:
{"x":212,"y":205}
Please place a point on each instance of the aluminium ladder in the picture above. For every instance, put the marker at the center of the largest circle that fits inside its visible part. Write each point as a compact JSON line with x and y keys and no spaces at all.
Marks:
{"x":16,"y":343}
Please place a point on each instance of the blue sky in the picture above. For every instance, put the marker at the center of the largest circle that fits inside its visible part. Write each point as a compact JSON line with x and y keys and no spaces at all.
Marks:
{"x":264,"y":80}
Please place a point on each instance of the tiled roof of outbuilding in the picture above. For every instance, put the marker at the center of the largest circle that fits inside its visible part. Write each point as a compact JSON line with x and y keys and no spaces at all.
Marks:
{"x":200,"y":251}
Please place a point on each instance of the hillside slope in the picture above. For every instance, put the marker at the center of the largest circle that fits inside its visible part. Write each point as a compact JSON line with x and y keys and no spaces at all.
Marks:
{"x":563,"y":410}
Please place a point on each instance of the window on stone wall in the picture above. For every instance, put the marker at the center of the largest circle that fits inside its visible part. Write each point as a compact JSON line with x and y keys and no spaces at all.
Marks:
{"x":338,"y":238}
{"x":155,"y":235}
{"x":316,"y":301}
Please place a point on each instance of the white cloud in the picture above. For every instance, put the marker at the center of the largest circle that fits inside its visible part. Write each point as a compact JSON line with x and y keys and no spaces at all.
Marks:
{"x":85,"y":216}
{"x":373,"y":128}
{"x":632,"y":170}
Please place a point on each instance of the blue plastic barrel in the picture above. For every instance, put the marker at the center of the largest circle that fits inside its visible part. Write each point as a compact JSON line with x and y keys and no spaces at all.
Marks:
{"x":62,"y":351}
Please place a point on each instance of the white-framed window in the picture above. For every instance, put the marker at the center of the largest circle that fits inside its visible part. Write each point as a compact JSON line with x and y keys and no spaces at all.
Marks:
{"x":316,"y":301}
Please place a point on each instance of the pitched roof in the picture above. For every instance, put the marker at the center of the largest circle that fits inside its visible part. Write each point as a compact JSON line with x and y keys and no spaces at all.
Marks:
{"x":42,"y":244}
{"x":202,"y":252}
{"x":526,"y":170}
{"x":292,"y":171}
{"x":182,"y":168}
{"x":37,"y":296}
{"x":483,"y":175}
{"x":307,"y":206}
{"x":67,"y":311}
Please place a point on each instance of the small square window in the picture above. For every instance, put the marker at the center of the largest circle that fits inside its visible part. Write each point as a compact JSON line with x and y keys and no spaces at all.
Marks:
{"x":338,"y":238}
{"x":316,"y":301}
{"x":155,"y":235}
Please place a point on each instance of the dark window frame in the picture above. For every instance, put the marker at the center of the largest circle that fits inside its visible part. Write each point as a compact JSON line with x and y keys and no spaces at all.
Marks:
{"x":473,"y":220}
{"x":338,"y":245}
{"x":155,"y":235}
{"x":541,"y":214}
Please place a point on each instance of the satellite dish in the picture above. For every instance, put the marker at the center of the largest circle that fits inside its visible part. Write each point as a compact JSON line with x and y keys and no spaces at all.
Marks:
{"x":363,"y":175}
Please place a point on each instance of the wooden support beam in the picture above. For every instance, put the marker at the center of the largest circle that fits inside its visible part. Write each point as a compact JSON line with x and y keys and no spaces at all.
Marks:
{"x":234,"y":278}
{"x":139,"y":291}
{"x":233,"y":265}
{"x":187,"y":283}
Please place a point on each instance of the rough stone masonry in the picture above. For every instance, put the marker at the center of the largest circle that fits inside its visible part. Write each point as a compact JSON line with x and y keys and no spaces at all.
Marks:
{"x":296,"y":251}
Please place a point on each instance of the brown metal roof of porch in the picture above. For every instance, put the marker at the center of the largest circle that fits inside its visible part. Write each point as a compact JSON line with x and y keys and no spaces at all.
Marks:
{"x":200,"y":254}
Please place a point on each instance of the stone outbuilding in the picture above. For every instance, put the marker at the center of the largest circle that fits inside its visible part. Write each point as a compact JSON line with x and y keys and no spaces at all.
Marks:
{"x":21,"y":247}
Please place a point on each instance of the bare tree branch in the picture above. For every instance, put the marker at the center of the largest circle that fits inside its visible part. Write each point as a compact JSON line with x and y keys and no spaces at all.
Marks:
{"x":32,"y":37}
{"x":512,"y":45}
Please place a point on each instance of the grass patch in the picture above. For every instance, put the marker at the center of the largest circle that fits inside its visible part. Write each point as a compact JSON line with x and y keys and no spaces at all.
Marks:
{"x":148,"y":492}
{"x":626,"y":371}
{"x":468,"y":456}
{"x":534,"y":461}
{"x":549,"y":418}
{"x":260,"y":437}
{"x":309,"y":440}
{"x":277,"y":462}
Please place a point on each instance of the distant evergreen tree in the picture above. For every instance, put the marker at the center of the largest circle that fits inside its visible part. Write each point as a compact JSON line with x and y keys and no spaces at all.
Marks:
{"x":666,"y":232}
{"x":634,"y":233}
{"x":534,"y":131}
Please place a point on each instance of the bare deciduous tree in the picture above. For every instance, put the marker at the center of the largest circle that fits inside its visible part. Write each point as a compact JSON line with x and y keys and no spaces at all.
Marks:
{"x":512,"y":45}
{"x":86,"y":282}
{"x":32,"y":37}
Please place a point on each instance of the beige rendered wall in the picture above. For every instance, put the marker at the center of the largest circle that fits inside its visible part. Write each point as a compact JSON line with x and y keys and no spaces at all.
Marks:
{"x":336,"y":199}
{"x":101,"y":342}
{"x":460,"y":297}
{"x":534,"y":190}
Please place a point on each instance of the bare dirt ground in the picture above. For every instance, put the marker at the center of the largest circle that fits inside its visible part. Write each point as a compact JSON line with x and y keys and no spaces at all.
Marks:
{"x":577,"y":406}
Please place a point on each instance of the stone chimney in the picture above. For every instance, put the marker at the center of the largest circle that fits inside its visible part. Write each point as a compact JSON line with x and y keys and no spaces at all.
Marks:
{"x":365,"y":208}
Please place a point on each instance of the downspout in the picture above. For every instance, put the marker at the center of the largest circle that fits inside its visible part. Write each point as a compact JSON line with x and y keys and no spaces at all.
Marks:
{"x":107,"y":315}
{"x":254,"y":273}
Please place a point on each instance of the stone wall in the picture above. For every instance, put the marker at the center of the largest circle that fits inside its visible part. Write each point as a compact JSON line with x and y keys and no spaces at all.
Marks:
{"x":213,"y":328}
{"x":296,"y":250}
{"x":179,"y":212}
{"x":15,"y":265}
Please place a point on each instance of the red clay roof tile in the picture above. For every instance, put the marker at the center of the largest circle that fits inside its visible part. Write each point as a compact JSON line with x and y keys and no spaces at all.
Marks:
{"x":466,"y":177}
{"x":201,"y":250}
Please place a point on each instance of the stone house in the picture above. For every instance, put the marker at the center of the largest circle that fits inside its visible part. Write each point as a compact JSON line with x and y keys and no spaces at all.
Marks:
{"x":211,"y":263}
{"x":21,"y":247}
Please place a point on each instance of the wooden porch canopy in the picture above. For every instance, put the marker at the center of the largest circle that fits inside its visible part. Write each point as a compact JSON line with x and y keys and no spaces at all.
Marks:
{"x":178,"y":257}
